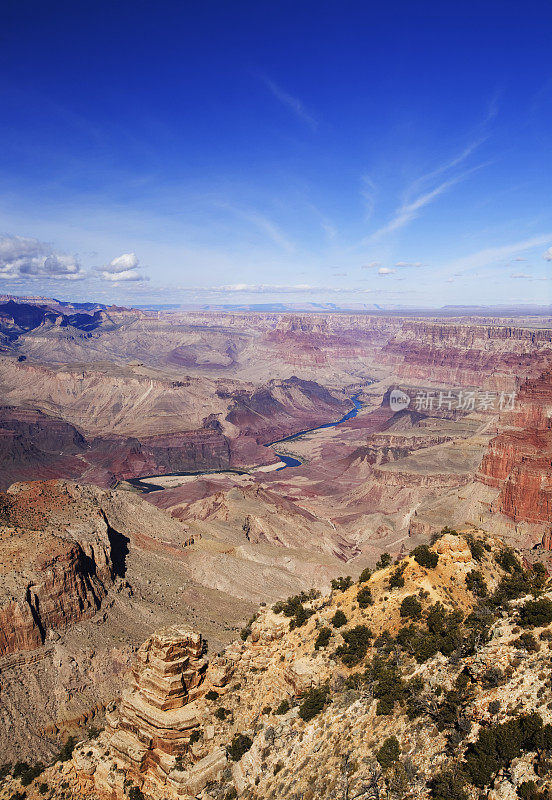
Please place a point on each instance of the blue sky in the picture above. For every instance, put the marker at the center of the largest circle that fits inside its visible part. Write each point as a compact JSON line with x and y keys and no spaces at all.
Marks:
{"x":209,"y":151}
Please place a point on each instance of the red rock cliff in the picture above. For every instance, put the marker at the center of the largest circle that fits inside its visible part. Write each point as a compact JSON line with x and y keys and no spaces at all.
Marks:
{"x":519,"y":460}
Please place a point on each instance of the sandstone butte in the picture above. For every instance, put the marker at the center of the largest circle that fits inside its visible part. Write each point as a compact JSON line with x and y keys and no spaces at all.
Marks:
{"x":147,"y":738}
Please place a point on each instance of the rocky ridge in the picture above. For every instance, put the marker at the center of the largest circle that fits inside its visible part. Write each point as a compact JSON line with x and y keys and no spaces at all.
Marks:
{"x":401,"y":685}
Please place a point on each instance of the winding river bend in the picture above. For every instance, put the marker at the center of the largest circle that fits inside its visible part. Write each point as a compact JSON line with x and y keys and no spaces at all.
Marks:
{"x":290,"y":461}
{"x":145,"y":484}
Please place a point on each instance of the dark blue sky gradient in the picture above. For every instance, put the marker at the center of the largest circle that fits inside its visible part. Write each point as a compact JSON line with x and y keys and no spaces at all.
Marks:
{"x":274,"y":145}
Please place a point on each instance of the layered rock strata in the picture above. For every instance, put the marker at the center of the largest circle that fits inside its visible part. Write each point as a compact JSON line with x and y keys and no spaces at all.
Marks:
{"x":519,"y":460}
{"x":49,"y":579}
{"x":148,"y":738}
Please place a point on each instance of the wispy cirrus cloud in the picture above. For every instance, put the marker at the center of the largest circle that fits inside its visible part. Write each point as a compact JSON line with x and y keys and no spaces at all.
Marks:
{"x":263,"y":224}
{"x":291,"y":102}
{"x":428,"y":187}
{"x":489,"y":255}
{"x":368,"y":193}
{"x":407,"y":212}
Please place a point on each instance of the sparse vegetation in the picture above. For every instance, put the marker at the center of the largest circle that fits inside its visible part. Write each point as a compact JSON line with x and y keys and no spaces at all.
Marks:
{"x":356,"y":645}
{"x":425,"y":557}
{"x":450,"y":784}
{"x":239,"y":745}
{"x":430,"y":707}
{"x":535,"y":613}
{"x":313,"y":702}
{"x":388,"y":686}
{"x":27,"y":773}
{"x":365,"y":575}
{"x":293,"y":607}
{"x":476,"y":546}
{"x":497,"y":745}
{"x":527,"y":642}
{"x":364,"y":597}
{"x":411,"y":607}
{"x":289,"y":607}
{"x":283,"y":708}
{"x":383,"y":561}
{"x":67,"y":750}
{"x":443,"y":634}
{"x":508,"y":560}
{"x":388,"y":753}
{"x":511,"y":587}
{"x":396,"y":579}
{"x":339,"y":619}
{"x":475,"y":582}
{"x":323,"y":638}
{"x":342,"y":584}
{"x":302,"y":615}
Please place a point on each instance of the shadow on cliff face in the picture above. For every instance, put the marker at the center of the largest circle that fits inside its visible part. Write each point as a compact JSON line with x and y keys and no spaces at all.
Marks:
{"x":119,"y":550}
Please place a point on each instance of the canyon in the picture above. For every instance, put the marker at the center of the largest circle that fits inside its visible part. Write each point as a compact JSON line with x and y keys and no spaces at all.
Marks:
{"x":143,"y":486}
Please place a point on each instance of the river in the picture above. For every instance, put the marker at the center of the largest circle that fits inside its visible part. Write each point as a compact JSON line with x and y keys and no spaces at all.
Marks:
{"x":144,"y":485}
{"x":290,"y":461}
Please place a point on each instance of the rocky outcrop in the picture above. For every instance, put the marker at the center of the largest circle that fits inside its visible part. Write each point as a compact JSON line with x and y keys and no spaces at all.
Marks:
{"x":519,"y":460}
{"x":34,"y":445}
{"x":147,"y":740}
{"x":301,"y":707}
{"x":62,"y":548}
{"x":49,"y":580}
{"x":59,"y":587}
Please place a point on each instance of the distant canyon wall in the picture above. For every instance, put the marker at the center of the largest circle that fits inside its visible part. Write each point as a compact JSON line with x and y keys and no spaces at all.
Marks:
{"x":519,"y":459}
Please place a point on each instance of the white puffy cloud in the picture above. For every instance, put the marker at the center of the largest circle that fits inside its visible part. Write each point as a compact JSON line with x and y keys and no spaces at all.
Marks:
{"x":125,"y":275}
{"x":123,"y":268}
{"x":371,"y":265}
{"x":123,"y":263}
{"x":386,"y":271}
{"x":27,"y":258}
{"x":548,"y":255}
{"x":408,"y":264}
